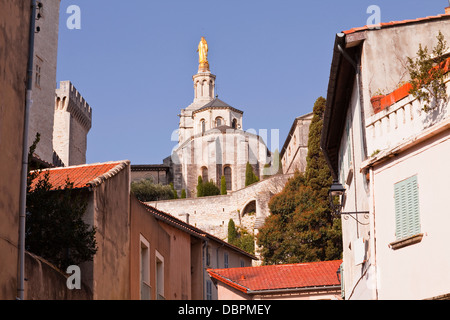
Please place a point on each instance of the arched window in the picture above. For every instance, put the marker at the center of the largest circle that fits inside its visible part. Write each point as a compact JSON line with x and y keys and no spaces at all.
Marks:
{"x":219,"y":121}
{"x":205,"y":174}
{"x":203,"y":125}
{"x":227,"y":174}
{"x":234,"y":124}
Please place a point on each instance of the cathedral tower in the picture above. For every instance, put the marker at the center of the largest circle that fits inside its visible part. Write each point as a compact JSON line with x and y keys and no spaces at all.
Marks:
{"x":204,"y":91}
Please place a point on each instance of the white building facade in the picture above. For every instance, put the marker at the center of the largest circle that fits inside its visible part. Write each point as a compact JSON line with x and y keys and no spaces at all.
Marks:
{"x":392,"y":158}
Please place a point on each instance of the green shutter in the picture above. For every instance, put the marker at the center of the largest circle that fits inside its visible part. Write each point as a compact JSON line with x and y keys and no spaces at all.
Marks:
{"x":407,"y":217}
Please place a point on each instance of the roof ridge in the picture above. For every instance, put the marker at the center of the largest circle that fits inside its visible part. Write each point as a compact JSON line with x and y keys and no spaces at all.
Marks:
{"x":111,"y":173}
{"x":83,"y":165}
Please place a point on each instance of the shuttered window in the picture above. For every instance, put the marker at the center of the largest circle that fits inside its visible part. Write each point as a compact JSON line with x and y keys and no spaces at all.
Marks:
{"x":407,"y":217}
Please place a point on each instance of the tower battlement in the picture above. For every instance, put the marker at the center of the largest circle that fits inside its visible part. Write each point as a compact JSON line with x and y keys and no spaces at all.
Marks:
{"x":68,"y":98}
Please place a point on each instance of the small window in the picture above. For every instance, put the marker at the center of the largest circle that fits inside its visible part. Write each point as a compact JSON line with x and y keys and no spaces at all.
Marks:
{"x":208,"y":290}
{"x":203,"y":125}
{"x":37,"y":78}
{"x":234,"y":124}
{"x":407,"y":215}
{"x":159,"y":276}
{"x":145,"y":269}
{"x":219,"y":121}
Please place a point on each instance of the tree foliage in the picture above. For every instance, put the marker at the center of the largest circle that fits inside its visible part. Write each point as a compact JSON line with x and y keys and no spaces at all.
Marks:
{"x":223,"y":186}
{"x":427,"y":73}
{"x":55,"y":229}
{"x":250,"y":176}
{"x":206,"y":189}
{"x":240,"y":238}
{"x":300,"y":227}
{"x":146,"y":190}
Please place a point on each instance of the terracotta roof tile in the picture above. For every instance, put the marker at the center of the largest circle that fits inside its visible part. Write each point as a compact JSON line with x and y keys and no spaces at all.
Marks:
{"x":82,"y":176}
{"x":396,"y":23}
{"x":288,"y":276}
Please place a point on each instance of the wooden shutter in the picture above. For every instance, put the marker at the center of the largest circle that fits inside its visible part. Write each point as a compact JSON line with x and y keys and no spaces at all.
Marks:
{"x":407,"y":217}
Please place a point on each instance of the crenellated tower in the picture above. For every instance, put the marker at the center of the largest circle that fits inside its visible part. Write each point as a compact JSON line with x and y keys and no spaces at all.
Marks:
{"x":73,"y":120}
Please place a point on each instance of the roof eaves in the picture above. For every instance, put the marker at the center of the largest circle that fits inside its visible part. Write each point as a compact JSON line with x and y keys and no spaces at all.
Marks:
{"x":227,"y":281}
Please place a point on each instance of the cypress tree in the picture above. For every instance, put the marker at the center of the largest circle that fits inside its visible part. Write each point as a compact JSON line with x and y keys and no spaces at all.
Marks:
{"x":300,"y":228}
{"x":223,"y":186}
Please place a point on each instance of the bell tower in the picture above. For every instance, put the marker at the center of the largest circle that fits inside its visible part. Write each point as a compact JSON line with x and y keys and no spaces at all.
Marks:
{"x":204,"y":92}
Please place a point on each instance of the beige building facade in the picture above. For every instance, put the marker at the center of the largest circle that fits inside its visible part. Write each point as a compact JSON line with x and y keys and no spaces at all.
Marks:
{"x":15,"y":36}
{"x":295,"y":149}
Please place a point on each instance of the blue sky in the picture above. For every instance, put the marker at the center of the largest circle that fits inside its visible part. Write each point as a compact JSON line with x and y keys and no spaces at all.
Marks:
{"x":134,"y":60}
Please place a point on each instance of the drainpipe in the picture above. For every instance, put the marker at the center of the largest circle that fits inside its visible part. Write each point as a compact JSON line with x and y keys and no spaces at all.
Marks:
{"x":24,"y":172}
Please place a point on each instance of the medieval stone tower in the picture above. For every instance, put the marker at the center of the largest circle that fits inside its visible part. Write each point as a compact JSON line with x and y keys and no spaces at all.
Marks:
{"x":60,"y":115}
{"x":73,"y":120}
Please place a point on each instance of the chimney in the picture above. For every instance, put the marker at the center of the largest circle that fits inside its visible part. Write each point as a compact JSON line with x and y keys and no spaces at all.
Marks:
{"x":447,"y":10}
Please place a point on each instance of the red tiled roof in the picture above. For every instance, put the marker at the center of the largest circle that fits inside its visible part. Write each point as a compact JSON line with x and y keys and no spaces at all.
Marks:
{"x":396,"y":23}
{"x":82,"y":176}
{"x":277,"y":277}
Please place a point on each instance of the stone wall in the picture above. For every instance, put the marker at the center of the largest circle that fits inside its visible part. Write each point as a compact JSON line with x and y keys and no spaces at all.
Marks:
{"x":44,"y":79}
{"x":212,"y":214}
{"x":46,"y":282}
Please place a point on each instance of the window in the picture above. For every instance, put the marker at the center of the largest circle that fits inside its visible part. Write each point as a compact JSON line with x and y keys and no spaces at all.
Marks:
{"x":227,"y":174}
{"x":407,"y":217}
{"x":37,"y":79}
{"x":145,"y":269}
{"x":37,"y":71}
{"x":219,"y":121}
{"x":225,"y":260}
{"x":234,"y":124}
{"x":208,"y":290}
{"x":159,"y":276}
{"x":203,"y":126}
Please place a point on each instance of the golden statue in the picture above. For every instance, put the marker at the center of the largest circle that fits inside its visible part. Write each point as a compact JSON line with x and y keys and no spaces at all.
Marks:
{"x":203,"y":55}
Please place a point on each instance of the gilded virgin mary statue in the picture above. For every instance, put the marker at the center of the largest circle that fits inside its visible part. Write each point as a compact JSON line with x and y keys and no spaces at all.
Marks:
{"x":203,"y":55}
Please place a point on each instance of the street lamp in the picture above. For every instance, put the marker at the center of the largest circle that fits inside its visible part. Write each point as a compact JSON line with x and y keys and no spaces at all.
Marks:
{"x":337,"y":197}
{"x":337,"y":202}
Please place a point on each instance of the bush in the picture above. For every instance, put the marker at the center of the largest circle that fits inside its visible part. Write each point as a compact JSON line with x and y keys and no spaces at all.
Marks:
{"x":145,"y":190}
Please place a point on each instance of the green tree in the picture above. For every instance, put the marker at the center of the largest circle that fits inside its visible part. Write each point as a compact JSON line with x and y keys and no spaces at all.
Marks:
{"x":223,"y":186}
{"x":232,"y":232}
{"x":240,"y":238}
{"x":174,"y":192}
{"x":200,"y":187}
{"x":145,"y":190}
{"x":183,"y":194}
{"x":55,"y":229}
{"x":250,"y":176}
{"x":301,"y":228}
{"x":427,"y":73}
{"x":210,"y":189}
{"x":206,"y":189}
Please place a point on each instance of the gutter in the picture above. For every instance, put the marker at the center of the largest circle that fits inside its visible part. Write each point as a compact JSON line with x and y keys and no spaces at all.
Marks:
{"x":24,"y":172}
{"x":294,"y":290}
